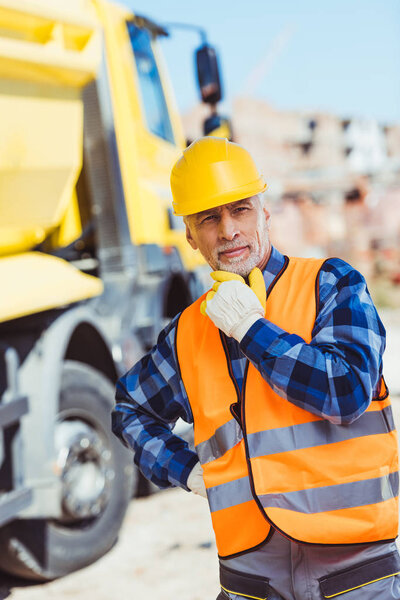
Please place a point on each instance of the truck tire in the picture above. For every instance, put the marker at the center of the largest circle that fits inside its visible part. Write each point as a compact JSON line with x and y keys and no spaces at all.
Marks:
{"x":97,"y":477}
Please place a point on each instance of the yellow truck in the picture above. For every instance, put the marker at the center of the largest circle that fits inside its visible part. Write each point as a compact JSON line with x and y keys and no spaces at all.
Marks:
{"x":92,"y":263}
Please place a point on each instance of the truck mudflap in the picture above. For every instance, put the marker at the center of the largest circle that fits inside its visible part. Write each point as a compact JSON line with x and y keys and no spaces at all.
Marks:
{"x":14,"y":496}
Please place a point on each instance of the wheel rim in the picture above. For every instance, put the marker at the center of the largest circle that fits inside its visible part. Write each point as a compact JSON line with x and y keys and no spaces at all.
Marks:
{"x":84,"y":460}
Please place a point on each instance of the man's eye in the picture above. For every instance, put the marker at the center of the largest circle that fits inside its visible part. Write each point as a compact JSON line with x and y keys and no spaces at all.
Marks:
{"x":208,"y":219}
{"x":241,"y":209}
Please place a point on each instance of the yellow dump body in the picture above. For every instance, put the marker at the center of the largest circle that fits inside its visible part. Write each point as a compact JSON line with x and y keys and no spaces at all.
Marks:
{"x":46,"y":56}
{"x":49,"y":50}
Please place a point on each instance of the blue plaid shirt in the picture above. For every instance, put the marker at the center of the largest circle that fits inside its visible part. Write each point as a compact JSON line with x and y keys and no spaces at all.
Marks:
{"x":335,"y":376}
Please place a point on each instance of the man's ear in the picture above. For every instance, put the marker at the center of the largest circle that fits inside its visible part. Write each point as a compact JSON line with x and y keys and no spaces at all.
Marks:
{"x":267,"y":216}
{"x":189,"y":237}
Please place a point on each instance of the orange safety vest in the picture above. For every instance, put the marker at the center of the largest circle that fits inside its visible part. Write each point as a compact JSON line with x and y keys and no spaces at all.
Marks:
{"x":268,"y":462}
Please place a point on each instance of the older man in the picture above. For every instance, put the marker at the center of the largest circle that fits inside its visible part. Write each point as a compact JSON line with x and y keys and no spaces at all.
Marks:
{"x":279,"y":367}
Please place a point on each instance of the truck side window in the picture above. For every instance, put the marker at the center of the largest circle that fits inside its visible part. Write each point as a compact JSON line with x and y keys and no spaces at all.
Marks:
{"x":154,"y":103}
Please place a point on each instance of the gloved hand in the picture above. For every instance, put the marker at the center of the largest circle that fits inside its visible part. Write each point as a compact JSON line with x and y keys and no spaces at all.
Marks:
{"x":195,"y":481}
{"x":232,"y":305}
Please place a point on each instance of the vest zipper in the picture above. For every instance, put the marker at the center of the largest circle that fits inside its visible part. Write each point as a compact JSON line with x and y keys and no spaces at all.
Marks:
{"x":241,"y":405}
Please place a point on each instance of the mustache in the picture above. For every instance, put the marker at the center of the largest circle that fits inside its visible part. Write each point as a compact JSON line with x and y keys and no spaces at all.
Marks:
{"x":231,"y":246}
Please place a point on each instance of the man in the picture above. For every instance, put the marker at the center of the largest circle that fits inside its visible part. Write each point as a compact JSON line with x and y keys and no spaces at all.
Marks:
{"x":279,"y":367}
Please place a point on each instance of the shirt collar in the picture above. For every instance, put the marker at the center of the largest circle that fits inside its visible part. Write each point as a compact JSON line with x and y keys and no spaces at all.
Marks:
{"x":273,"y":267}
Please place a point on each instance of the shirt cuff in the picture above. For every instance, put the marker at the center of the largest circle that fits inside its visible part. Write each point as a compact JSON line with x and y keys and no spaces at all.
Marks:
{"x":180,"y":467}
{"x":261,"y":335}
{"x":243,"y":327}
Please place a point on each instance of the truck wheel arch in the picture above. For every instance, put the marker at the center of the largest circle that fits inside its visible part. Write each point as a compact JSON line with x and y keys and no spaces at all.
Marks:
{"x":86,"y":345}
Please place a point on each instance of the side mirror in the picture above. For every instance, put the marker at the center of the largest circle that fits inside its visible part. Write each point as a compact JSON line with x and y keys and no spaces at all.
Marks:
{"x":208,"y":74}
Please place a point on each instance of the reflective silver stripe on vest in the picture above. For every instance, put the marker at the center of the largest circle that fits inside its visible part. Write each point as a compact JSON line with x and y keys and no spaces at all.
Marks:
{"x":224,"y":438}
{"x":317,"y":433}
{"x":336,"y":497}
{"x":229,"y":494}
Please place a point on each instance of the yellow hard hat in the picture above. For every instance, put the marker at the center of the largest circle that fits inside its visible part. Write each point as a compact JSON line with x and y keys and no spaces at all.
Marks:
{"x":213,"y":171}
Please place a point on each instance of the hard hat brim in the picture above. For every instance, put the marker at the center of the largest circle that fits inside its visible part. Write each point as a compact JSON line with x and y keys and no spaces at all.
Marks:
{"x":240,"y":193}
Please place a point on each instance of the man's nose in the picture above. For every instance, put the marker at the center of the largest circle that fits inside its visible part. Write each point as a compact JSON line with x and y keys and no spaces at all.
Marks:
{"x":228,"y":229}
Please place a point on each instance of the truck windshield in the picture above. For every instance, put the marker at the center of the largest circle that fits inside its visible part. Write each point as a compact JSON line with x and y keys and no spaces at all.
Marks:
{"x":154,"y":104}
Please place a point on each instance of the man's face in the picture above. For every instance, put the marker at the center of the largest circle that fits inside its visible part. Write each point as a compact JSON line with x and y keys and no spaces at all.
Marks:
{"x":232,"y":237}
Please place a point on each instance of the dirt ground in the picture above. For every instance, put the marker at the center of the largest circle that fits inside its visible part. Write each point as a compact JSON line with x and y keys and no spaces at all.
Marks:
{"x":166,"y":549}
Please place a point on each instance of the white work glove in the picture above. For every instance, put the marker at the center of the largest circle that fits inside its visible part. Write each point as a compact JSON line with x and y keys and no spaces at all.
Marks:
{"x":234,"y":306}
{"x":195,"y":481}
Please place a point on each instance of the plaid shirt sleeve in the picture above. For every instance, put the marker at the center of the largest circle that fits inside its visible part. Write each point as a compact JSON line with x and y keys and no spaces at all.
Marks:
{"x":150,"y":398}
{"x":337,"y":374}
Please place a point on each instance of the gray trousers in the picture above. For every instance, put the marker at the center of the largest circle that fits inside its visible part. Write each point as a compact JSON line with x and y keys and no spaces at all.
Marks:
{"x":301,"y":572}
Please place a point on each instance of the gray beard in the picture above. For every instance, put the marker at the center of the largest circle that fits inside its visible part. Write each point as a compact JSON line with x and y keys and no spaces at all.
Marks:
{"x":240,"y":266}
{"x":237,"y":264}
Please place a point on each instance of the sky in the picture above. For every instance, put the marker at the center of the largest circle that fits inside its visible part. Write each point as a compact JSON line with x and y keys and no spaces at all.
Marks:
{"x":339,"y":56}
